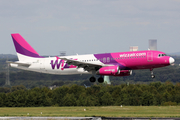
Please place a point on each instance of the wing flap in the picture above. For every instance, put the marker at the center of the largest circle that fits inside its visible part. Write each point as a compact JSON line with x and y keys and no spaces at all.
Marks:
{"x":22,"y":64}
{"x":80,"y":64}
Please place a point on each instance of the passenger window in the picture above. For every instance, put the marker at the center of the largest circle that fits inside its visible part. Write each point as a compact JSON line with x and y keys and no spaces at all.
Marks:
{"x":104,"y":60}
{"x":108,"y":59}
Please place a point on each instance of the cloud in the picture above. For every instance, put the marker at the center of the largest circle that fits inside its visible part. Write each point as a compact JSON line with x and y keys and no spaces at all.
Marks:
{"x":100,"y":10}
{"x":95,"y":20}
{"x":54,"y":28}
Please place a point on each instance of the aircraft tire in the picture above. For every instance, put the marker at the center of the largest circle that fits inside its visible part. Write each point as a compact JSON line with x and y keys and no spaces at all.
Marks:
{"x":100,"y":79}
{"x":92,"y":79}
{"x":153,"y":76}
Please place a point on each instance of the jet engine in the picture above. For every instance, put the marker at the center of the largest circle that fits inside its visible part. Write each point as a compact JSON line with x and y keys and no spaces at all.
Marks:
{"x":109,"y":70}
{"x":125,"y":73}
{"x":113,"y":71}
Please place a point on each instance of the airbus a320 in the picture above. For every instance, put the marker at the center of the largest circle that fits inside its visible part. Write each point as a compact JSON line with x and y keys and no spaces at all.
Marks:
{"x":105,"y":64}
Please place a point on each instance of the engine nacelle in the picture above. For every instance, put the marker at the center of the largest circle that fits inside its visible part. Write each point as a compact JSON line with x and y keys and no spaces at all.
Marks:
{"x":125,"y":73}
{"x":109,"y":70}
{"x":113,"y":71}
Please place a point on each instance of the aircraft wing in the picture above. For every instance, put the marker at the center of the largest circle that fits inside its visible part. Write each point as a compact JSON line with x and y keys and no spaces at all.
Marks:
{"x":19,"y":63}
{"x":85,"y":65}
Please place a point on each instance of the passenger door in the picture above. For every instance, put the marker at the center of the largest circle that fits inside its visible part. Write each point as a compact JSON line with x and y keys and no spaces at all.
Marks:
{"x":149,"y":56}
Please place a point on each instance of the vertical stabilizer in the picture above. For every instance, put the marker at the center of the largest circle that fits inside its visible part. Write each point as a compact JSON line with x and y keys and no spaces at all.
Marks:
{"x":24,"y":51}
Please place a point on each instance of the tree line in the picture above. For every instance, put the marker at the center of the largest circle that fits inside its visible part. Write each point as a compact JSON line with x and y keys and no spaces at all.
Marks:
{"x":155,"y":93}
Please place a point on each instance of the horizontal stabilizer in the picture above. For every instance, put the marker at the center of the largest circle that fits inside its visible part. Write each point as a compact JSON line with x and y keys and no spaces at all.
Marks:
{"x":19,"y":63}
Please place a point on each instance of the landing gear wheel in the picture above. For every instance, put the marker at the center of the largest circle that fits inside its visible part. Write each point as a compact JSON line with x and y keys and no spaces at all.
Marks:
{"x":92,"y":79}
{"x":153,"y":76}
{"x":100,"y":79}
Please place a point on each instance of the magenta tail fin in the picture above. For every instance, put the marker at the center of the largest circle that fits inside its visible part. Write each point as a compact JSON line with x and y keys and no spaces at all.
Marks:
{"x":23,"y":47}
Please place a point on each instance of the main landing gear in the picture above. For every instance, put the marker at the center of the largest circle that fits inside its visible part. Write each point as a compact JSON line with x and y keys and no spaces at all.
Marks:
{"x":152,"y":75}
{"x":93,"y":79}
{"x":101,"y":79}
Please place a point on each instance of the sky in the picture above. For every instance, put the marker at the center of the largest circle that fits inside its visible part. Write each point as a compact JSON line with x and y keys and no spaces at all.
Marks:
{"x":90,"y":26}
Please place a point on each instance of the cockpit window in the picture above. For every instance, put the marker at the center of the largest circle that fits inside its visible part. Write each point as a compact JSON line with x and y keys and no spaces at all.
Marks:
{"x":161,"y":55}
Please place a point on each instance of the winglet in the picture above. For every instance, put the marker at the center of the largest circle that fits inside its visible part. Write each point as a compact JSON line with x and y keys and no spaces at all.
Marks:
{"x":23,"y":47}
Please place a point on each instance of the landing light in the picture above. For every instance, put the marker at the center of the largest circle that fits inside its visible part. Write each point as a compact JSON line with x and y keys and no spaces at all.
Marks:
{"x":171,"y":60}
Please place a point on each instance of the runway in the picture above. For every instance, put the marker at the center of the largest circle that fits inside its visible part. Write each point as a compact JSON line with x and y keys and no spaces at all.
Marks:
{"x":84,"y":118}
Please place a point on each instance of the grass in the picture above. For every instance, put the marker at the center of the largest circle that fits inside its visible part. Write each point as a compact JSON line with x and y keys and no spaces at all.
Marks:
{"x":110,"y":111}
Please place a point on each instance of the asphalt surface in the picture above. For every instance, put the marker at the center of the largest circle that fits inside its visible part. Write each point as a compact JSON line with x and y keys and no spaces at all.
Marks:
{"x":83,"y":118}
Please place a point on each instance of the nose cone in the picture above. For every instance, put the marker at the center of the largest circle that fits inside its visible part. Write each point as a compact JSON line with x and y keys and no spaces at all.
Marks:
{"x":171,"y":60}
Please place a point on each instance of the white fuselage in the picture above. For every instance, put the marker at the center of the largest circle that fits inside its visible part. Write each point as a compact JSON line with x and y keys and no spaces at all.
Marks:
{"x":52,"y":65}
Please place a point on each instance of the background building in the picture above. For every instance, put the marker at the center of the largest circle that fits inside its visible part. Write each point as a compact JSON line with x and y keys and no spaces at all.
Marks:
{"x":153,"y":44}
{"x":133,"y":48}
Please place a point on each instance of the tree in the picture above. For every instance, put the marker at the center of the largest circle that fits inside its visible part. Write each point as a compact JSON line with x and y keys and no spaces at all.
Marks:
{"x":18,"y":87}
{"x":58,"y":95}
{"x":91,"y":101}
{"x":107,"y":99}
{"x":147,"y":98}
{"x":3,"y":100}
{"x":69,"y":100}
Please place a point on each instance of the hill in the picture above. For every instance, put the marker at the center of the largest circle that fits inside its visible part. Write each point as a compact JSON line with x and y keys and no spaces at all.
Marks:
{"x":9,"y":56}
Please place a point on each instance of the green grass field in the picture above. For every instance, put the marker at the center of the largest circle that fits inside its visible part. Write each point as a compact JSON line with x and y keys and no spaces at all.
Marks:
{"x":110,"y":111}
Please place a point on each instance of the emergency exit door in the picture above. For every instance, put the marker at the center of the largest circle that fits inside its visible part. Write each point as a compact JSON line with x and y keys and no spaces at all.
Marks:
{"x":149,"y":56}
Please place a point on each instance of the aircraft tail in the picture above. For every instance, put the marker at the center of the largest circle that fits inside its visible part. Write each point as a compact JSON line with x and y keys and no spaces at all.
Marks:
{"x":24,"y":51}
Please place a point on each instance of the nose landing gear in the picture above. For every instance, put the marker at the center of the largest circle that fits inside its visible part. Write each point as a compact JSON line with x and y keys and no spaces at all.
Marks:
{"x":152,"y":75}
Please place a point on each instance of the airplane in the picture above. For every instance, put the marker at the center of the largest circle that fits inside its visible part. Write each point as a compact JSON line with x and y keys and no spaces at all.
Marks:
{"x":105,"y":64}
